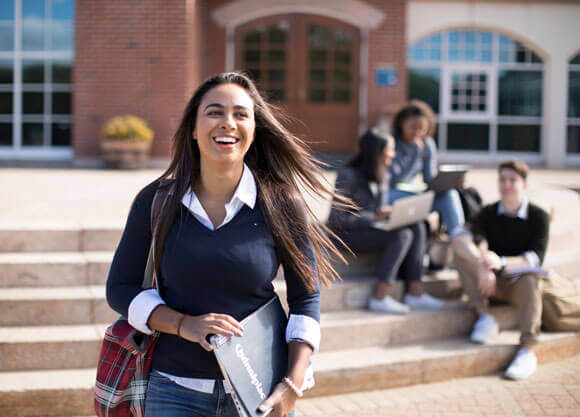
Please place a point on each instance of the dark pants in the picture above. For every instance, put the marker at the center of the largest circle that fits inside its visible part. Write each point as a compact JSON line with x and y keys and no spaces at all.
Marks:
{"x":403,"y":250}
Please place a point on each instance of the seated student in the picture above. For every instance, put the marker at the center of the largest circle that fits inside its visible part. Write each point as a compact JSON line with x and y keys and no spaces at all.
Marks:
{"x":413,"y":126}
{"x":365,"y":180}
{"x":516,"y":232}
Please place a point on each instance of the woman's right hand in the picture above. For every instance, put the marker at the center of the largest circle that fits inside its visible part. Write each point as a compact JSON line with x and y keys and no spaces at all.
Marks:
{"x":197,"y":328}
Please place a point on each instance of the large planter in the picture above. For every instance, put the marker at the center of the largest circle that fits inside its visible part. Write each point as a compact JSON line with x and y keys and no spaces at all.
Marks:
{"x":125,"y":154}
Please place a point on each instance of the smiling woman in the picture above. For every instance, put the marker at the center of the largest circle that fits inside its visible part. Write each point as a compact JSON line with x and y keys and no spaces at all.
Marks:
{"x":234,"y":181}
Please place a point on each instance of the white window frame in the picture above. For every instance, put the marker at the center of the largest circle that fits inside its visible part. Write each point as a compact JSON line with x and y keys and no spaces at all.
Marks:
{"x":47,"y":56}
{"x":490,"y":116}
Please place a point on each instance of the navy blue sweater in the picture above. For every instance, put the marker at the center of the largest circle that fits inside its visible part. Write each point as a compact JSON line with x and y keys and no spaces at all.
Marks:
{"x":229,"y":270}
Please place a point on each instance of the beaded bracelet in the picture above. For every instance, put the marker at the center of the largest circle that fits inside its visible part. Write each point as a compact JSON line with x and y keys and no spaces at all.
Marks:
{"x":293,"y":387}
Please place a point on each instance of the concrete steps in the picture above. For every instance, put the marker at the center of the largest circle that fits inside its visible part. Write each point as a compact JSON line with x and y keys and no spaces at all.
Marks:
{"x":69,"y":392}
{"x":381,"y":367}
{"x":77,"y":346}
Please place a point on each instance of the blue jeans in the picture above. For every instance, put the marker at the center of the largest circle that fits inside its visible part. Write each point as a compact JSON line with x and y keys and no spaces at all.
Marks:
{"x":447,"y":204}
{"x":165,"y":398}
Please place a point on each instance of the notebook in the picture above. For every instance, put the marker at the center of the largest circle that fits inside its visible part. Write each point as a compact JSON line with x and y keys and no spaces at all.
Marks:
{"x":407,"y":211}
{"x":252,"y":365}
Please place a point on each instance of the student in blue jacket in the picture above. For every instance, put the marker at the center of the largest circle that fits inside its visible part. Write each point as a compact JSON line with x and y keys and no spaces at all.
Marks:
{"x":365,"y":180}
{"x":413,"y":126}
{"x":233,"y":216}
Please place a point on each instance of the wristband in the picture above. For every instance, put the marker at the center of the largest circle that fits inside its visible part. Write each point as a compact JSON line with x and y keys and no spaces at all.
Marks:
{"x":179,"y":324}
{"x":293,"y":387}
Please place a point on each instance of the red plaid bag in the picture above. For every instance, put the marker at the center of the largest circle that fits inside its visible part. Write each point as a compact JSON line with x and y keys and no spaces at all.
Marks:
{"x":123,"y":371}
{"x":126,"y":354}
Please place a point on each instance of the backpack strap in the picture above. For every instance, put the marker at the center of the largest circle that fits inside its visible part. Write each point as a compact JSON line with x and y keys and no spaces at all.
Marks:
{"x":164,"y":188}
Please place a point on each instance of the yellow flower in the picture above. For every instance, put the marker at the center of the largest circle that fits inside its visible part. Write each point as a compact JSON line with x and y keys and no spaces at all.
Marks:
{"x":127,"y":127}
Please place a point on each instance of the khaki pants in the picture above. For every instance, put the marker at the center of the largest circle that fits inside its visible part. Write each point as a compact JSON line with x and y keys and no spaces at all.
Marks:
{"x":524,"y":292}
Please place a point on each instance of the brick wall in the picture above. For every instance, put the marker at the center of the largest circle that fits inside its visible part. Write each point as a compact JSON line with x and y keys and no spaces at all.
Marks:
{"x":138,"y":57}
{"x":387,"y":45}
{"x":146,"y":58}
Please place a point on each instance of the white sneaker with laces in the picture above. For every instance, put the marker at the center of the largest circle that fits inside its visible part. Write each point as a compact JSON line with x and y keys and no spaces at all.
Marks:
{"x":524,"y":364}
{"x":424,"y":302}
{"x":484,"y":329}
{"x":387,"y":305}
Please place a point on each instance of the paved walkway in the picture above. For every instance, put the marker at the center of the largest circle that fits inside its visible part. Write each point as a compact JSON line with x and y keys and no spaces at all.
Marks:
{"x":554,"y":390}
{"x":73,"y":197}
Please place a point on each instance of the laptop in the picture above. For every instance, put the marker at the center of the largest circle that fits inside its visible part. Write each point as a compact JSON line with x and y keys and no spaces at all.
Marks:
{"x":407,"y":211}
{"x":448,"y":177}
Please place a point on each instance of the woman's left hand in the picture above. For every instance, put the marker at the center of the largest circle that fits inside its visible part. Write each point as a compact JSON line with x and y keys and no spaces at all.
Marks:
{"x":283,"y":400}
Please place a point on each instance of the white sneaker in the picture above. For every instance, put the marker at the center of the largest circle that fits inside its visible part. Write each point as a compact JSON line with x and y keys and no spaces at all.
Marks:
{"x":424,"y":302}
{"x":484,"y":329}
{"x":388,"y":305}
{"x":524,"y":364}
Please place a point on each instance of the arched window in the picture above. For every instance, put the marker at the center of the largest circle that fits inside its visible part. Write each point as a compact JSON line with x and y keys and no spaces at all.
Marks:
{"x":36,"y":60}
{"x":485,"y":88}
{"x":573,"y":146}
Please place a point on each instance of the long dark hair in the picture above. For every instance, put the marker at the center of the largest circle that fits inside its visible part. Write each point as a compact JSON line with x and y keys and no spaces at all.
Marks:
{"x":414,"y":108}
{"x":281,"y":164}
{"x":368,"y":159}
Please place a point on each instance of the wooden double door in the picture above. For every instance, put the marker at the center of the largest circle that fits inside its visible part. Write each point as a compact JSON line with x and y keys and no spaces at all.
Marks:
{"x":308,"y":65}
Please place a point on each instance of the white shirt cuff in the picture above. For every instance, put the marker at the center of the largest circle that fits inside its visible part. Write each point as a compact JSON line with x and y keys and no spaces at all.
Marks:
{"x":141,"y":308}
{"x":532,"y":258}
{"x":304,"y":329}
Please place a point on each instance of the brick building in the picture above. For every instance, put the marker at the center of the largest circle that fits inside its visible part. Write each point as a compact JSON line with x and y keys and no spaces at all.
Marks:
{"x":502,"y":76}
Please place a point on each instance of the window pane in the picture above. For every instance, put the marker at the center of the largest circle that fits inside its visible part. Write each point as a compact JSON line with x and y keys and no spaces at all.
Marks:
{"x":319,"y":36}
{"x":514,"y":51}
{"x":277,"y":56}
{"x":466,"y":136}
{"x":62,"y":72}
{"x":6,"y":71}
{"x":341,"y":96}
{"x":32,"y":71}
{"x":575,"y":60}
{"x":6,"y":36}
{"x":574,"y":94}
{"x":277,"y":33}
{"x":252,"y":37}
{"x":32,"y":134}
{"x":5,"y":103}
{"x":316,"y":95}
{"x":525,"y":138}
{"x":428,"y":49}
{"x":470,"y":46}
{"x":61,"y":103}
{"x":5,"y":134}
{"x":342,"y":57}
{"x":317,"y":56}
{"x":424,"y":85}
{"x":33,"y":9}
{"x":520,"y":93}
{"x":573,"y":139}
{"x":317,"y":76}
{"x":252,"y":56}
{"x":32,"y":103}
{"x":61,"y":134}
{"x":62,"y":36}
{"x":276,"y":76}
{"x":7,"y":10}
{"x":63,"y":9}
{"x":254,"y":74}
{"x":341,"y":76}
{"x":33,"y":35}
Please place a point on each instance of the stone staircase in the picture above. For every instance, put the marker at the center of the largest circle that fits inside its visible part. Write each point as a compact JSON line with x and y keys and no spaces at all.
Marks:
{"x":53,"y":314}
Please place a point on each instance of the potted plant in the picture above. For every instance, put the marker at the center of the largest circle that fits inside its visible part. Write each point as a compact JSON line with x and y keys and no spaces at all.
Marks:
{"x":126,"y":142}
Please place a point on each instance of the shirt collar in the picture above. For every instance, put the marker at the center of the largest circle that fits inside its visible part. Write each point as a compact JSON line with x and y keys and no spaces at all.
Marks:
{"x":522,"y":212}
{"x":246,"y":192}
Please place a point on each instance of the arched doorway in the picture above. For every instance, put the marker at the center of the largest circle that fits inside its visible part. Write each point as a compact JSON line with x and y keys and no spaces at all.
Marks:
{"x":308,"y":65}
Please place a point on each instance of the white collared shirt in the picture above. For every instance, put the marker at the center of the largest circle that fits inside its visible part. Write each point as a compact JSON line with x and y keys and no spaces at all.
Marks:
{"x":300,"y":327}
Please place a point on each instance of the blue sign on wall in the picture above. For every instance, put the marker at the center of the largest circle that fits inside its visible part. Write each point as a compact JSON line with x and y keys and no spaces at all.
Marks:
{"x":386,"y":76}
